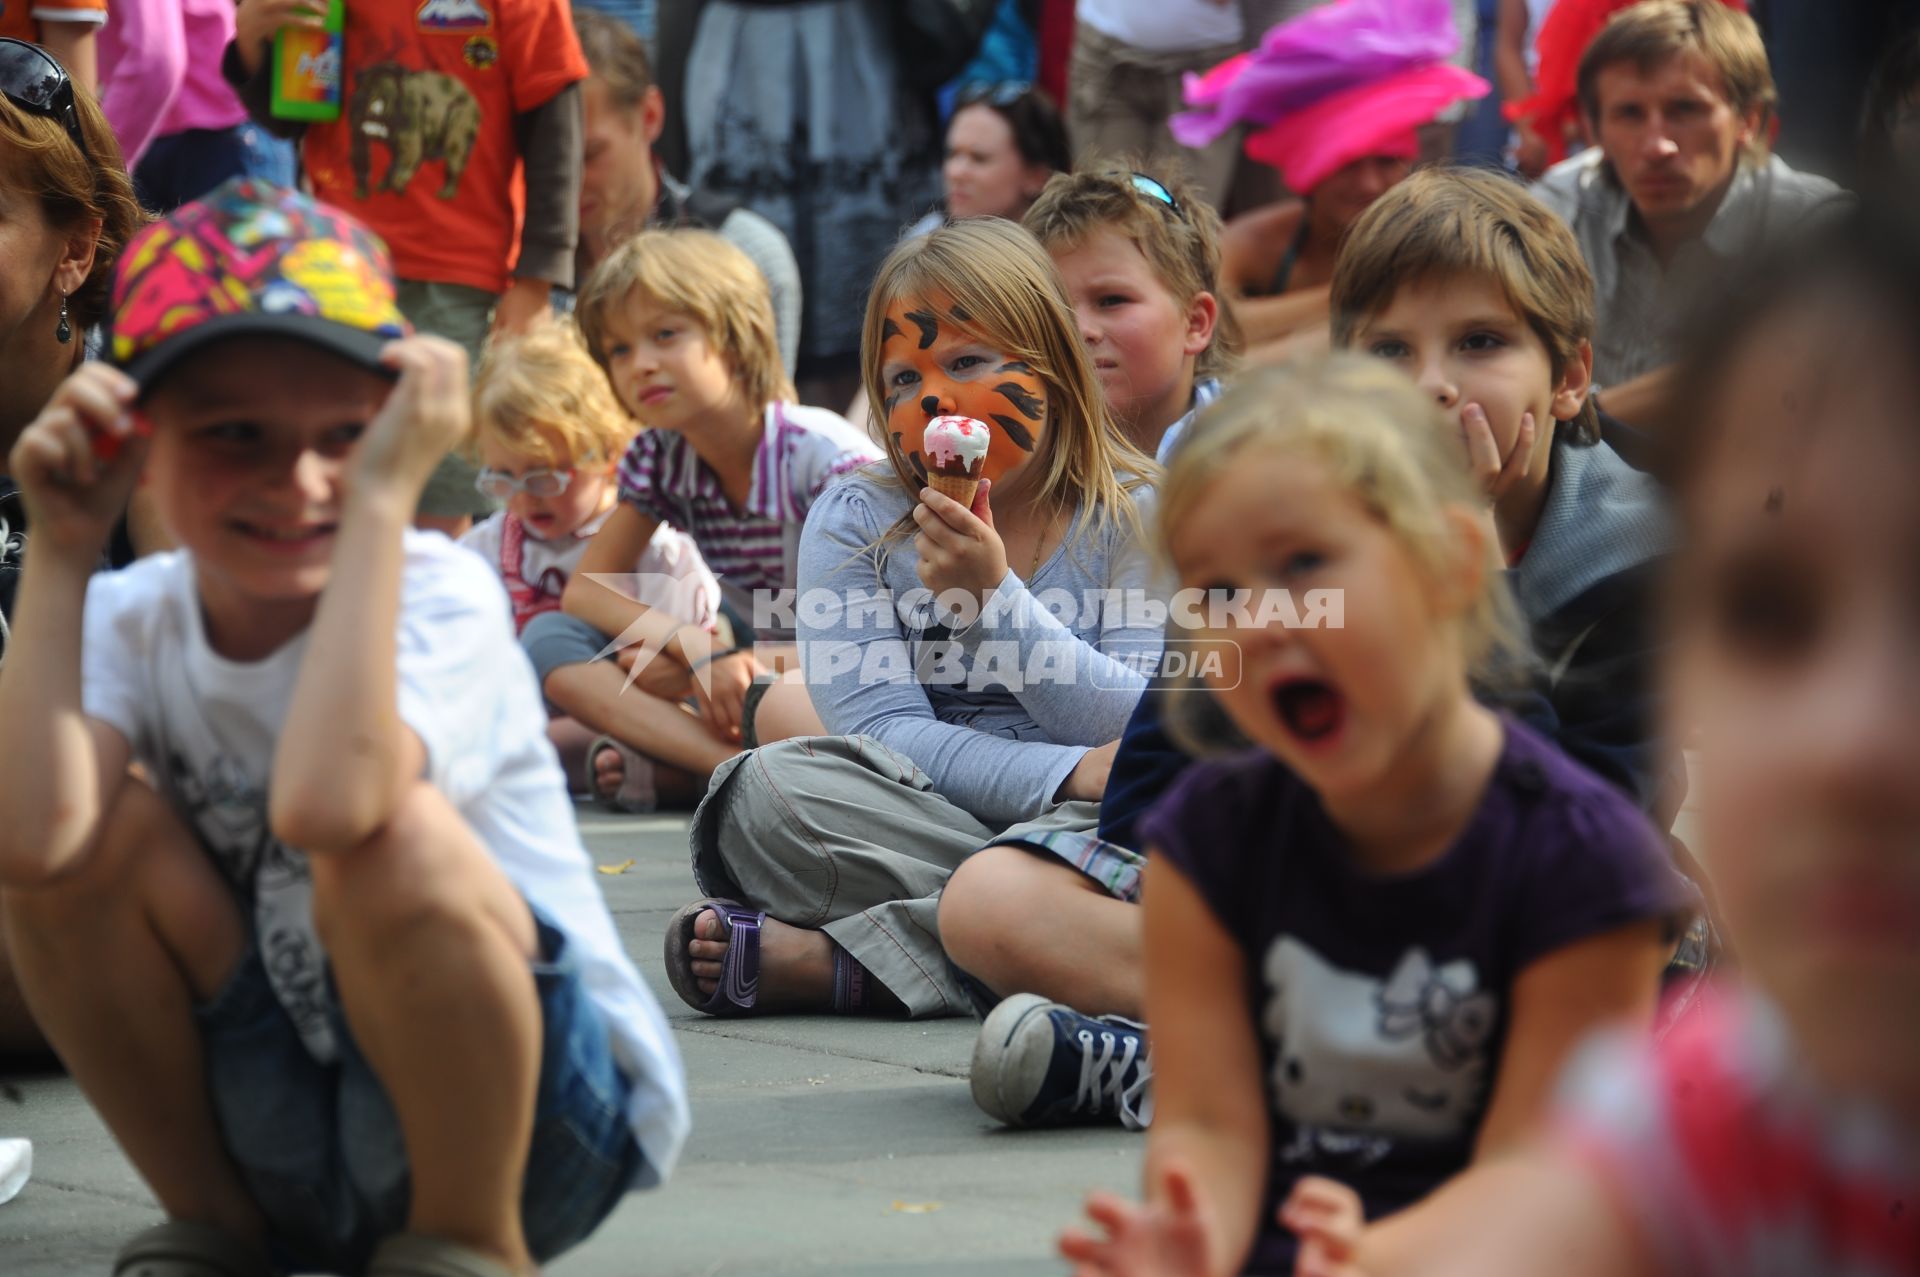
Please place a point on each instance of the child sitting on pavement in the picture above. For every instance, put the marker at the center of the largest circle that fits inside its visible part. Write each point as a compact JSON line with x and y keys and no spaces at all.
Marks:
{"x":959,"y":719}
{"x":548,"y":434}
{"x":1370,"y":942}
{"x":1479,"y":292}
{"x":682,"y":322}
{"x":1141,"y":258}
{"x":357,"y":1004}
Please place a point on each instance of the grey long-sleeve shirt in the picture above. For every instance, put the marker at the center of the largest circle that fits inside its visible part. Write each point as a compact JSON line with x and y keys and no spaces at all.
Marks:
{"x":997,"y":713}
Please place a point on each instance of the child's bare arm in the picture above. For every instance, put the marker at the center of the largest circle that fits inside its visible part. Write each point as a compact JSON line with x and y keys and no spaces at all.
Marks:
{"x":1540,"y":1212}
{"x":615,"y":548}
{"x":345,"y":758}
{"x":1610,"y":980}
{"x":1210,"y":1114}
{"x":75,"y":46}
{"x":1607,"y":981}
{"x":55,"y":792}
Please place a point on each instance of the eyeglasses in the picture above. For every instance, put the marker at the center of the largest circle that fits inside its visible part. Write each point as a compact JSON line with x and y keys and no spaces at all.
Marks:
{"x":1004,"y":93}
{"x":500,"y":486}
{"x":1154,"y":188}
{"x":33,"y":81}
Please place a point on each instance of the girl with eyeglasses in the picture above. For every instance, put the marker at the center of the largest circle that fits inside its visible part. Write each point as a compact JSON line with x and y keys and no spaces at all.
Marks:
{"x":549,"y":434}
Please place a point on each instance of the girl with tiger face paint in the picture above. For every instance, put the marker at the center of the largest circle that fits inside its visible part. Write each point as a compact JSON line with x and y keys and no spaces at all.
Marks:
{"x":933,"y":365}
{"x":933,"y":734}
{"x":974,"y":320}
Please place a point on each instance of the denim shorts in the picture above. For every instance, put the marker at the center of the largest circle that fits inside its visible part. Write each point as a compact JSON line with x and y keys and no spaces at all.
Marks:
{"x":319,"y":1145}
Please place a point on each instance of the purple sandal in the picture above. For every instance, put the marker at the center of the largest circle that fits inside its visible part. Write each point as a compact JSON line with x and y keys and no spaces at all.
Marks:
{"x":740,"y":971}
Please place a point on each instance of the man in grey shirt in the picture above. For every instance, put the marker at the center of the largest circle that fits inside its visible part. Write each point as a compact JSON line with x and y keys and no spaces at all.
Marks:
{"x":623,"y":188}
{"x":1679,"y":191}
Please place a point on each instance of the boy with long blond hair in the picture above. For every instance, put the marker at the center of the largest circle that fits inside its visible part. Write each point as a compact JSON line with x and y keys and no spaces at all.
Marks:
{"x":682,"y":324}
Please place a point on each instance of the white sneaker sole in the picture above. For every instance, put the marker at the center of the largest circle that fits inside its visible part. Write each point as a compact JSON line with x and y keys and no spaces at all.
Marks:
{"x":1008,"y":1061}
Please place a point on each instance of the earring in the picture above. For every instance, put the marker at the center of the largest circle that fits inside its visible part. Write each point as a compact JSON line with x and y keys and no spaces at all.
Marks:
{"x":65,"y":330}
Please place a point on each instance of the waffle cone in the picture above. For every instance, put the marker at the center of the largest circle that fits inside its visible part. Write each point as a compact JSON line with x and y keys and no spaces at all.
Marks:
{"x":958,"y":486}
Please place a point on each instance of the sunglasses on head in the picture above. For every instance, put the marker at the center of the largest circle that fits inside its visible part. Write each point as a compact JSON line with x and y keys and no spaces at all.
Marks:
{"x":34,"y":82}
{"x":1154,"y":188}
{"x":1005,"y":93}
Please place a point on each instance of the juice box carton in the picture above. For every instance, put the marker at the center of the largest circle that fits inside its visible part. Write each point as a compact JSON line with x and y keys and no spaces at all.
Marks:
{"x":306,"y":68}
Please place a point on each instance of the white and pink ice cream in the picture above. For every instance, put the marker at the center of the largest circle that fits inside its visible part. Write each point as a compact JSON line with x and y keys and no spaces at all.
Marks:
{"x":956,"y":447}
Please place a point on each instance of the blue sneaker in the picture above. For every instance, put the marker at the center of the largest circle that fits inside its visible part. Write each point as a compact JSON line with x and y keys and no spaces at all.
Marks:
{"x":1041,"y":1063}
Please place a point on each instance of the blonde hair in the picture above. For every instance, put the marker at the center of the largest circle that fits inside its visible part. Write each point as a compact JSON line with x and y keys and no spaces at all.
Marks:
{"x":1447,"y":222}
{"x":540,"y":395}
{"x":996,"y":274}
{"x":1181,"y":243}
{"x":1650,"y":33}
{"x":1382,"y":441}
{"x":38,"y":157}
{"x":696,"y":273}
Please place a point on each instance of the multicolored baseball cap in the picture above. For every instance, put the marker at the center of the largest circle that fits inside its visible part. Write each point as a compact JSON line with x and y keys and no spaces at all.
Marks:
{"x":251,"y":259}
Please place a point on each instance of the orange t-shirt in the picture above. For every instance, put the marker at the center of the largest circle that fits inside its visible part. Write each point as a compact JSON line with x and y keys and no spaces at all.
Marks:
{"x":21,"y":19}
{"x":424,"y":151}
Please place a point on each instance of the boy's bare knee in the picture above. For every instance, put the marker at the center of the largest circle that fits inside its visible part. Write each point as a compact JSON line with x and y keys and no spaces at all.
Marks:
{"x":980,"y":902}
{"x":393,"y":873}
{"x":146,"y":868}
{"x":139,"y":829}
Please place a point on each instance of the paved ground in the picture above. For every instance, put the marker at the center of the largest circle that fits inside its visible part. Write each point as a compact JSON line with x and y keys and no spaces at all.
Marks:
{"x":819,"y":1146}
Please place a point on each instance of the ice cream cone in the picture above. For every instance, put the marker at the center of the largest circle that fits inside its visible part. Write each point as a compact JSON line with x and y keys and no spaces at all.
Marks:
{"x":960,"y":487}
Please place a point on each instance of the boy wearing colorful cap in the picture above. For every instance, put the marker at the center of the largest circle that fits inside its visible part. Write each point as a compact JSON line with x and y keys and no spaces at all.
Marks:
{"x":358,"y":1006}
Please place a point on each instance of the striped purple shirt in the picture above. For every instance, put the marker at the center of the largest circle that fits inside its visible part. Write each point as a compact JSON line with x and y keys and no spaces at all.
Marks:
{"x":801,"y":451}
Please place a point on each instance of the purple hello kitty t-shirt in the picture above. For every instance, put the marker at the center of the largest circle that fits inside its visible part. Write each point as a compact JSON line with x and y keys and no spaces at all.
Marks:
{"x":1381,"y":1002}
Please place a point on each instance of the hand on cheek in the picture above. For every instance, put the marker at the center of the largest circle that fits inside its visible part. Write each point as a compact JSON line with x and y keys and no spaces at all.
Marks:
{"x":1494,"y":474}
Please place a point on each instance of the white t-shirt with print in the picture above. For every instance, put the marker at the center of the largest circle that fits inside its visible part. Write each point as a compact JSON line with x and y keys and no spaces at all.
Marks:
{"x":670,"y":574}
{"x":1164,"y":26}
{"x":206,"y":727}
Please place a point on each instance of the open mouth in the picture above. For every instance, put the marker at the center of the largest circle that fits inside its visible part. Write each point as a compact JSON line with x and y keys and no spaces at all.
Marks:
{"x":1310,"y":709}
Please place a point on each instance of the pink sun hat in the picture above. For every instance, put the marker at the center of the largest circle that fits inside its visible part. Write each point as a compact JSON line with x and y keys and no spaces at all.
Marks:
{"x":1324,"y":51}
{"x":1369,"y":119}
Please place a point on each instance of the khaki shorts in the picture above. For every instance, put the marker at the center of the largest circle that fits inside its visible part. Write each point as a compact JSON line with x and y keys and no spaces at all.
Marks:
{"x":462,"y":315}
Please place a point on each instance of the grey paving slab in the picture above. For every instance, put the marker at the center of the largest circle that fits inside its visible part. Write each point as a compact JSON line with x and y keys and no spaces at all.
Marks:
{"x":820,"y":1145}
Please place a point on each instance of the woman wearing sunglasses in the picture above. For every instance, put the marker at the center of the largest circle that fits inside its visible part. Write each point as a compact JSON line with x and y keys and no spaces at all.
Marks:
{"x":66,"y":210}
{"x":1003,"y":143}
